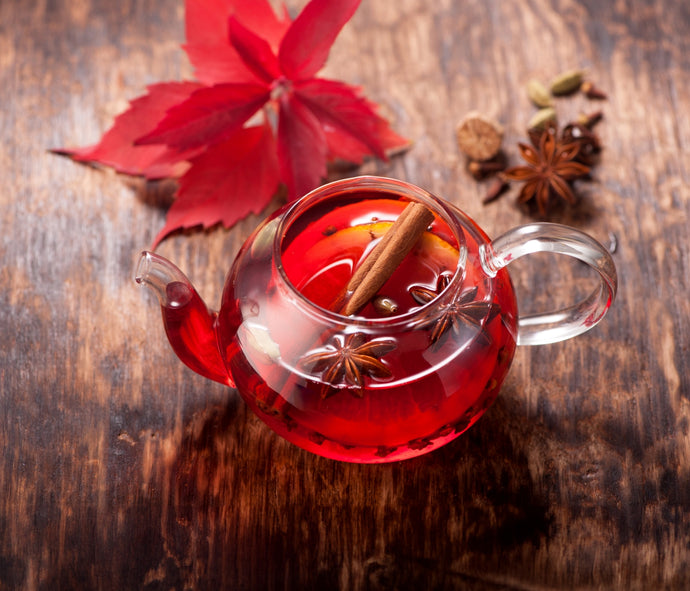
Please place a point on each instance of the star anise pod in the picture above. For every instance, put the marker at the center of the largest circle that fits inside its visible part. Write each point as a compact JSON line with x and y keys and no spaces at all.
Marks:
{"x":590,"y":145}
{"x":347,"y":359}
{"x":551,"y":165}
{"x":462,"y":311}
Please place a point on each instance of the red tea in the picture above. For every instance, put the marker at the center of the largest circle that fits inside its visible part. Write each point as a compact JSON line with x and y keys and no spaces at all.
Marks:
{"x":415,"y":368}
{"x":189,"y":323}
{"x":320,"y":258}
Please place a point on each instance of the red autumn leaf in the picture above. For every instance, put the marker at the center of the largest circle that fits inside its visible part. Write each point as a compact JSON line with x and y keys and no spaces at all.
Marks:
{"x":257,"y":83}
{"x":206,"y":20}
{"x":227,"y":182}
{"x":255,"y":52}
{"x":350,"y":149}
{"x":302,"y":147}
{"x":340,"y":108}
{"x":116,"y":148}
{"x":209,"y":115}
{"x":206,"y":28}
{"x":307,"y":42}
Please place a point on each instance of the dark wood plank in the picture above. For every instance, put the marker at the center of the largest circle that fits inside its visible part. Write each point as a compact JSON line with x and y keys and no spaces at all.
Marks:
{"x":121,"y":469}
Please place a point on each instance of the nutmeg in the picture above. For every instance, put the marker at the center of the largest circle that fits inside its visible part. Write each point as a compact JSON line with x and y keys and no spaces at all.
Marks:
{"x":479,"y":137}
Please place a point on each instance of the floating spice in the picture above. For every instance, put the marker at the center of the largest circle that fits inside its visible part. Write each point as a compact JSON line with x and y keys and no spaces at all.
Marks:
{"x":464,"y":310}
{"x":346,"y":359}
{"x":385,"y":306}
{"x":386,"y":256}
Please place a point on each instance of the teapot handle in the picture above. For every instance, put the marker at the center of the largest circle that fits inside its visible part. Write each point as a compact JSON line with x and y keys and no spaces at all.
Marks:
{"x":559,"y":325}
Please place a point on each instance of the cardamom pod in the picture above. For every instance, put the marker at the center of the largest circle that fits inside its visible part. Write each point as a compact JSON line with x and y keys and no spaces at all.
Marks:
{"x":541,"y":118}
{"x":539,"y":94}
{"x":567,"y":82}
{"x":385,"y":306}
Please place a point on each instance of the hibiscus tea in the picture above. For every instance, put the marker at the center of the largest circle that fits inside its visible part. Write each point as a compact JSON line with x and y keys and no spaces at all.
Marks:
{"x":413,"y":369}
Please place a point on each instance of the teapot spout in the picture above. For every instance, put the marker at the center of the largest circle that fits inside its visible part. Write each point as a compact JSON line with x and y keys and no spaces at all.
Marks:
{"x":189,"y":324}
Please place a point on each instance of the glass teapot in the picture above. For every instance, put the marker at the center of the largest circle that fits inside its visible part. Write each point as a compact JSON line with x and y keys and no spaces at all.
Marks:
{"x":402,"y":373}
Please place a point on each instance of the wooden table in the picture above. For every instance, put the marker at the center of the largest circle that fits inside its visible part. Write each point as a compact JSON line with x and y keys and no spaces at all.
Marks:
{"x":122,"y":469}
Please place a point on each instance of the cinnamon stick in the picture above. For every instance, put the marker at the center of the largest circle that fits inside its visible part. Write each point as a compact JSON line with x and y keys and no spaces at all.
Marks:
{"x":379,"y":265}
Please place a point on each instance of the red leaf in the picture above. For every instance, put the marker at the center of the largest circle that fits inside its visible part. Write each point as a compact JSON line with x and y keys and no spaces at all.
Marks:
{"x":347,"y":116}
{"x":214,"y":60}
{"x":259,"y":17}
{"x":255,"y":52}
{"x":306,"y":45}
{"x":344,"y":147}
{"x":216,"y":64}
{"x":226,"y":183}
{"x":348,"y":148}
{"x":209,"y":115}
{"x":246,"y":57}
{"x":302,"y":147}
{"x":116,"y":148}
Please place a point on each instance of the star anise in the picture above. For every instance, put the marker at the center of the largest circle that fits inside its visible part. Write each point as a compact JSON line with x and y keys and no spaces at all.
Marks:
{"x":551,"y":165}
{"x":462,"y":311}
{"x":590,"y":145}
{"x":347,"y":359}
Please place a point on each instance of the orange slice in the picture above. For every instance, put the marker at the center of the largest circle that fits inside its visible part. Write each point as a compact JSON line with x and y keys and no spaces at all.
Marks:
{"x":322,"y":271}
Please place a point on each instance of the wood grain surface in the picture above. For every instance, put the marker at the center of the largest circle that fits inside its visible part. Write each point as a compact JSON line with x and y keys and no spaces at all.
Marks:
{"x":121,"y":469}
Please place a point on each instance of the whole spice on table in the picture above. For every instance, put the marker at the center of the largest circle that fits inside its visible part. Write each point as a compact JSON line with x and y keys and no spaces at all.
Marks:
{"x":567,"y":82}
{"x":591,"y":91}
{"x":590,"y":119}
{"x":479,"y":136}
{"x":539,"y":94}
{"x":541,"y":118}
{"x":590,"y":146}
{"x":552,"y":161}
{"x":480,"y":169}
{"x":551,"y":164}
{"x":497,"y":187}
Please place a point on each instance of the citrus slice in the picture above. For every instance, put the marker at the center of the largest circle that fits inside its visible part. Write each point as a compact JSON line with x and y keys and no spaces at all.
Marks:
{"x":330,"y":262}
{"x":322,"y":271}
